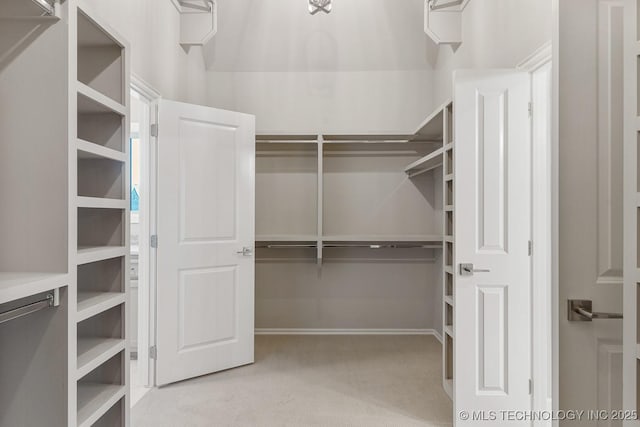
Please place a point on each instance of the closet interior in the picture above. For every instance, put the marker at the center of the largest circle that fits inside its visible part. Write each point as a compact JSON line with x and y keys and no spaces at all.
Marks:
{"x":63,"y":255}
{"x":355,"y":233}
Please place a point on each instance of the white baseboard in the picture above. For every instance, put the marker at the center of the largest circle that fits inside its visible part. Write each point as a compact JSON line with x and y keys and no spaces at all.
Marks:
{"x":301,"y":331}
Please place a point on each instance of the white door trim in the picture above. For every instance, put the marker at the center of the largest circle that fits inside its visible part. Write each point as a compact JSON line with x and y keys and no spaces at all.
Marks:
{"x":555,"y":208}
{"x":539,"y":65}
{"x":147,"y":316}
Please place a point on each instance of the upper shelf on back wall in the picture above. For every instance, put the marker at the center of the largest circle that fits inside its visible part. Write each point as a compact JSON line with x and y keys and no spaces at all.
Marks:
{"x":430,"y":133}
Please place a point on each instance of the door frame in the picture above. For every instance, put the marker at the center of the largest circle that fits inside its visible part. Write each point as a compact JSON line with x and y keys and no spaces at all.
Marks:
{"x":147,"y":316}
{"x":544,"y":233}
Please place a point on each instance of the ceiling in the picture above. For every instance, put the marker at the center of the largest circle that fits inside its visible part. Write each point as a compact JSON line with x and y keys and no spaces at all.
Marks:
{"x":281,"y":35}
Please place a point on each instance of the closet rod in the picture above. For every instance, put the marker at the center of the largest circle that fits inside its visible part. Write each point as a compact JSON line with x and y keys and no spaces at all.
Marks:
{"x":285,"y":246}
{"x":45,"y":6}
{"x":51,"y":300}
{"x":385,"y":246}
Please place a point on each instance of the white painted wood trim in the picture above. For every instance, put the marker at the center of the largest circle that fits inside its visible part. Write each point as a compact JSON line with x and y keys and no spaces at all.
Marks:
{"x":630,"y":211}
{"x":555,"y":211}
{"x":307,"y":331}
{"x":541,"y":79}
{"x":147,"y":316}
{"x":537,"y":59}
{"x":144,"y":88}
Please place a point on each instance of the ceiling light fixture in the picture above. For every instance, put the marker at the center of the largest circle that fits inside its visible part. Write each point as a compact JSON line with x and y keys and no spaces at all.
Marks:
{"x":316,"y":6}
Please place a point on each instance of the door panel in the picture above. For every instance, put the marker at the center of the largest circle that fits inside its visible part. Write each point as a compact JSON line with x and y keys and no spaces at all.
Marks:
{"x":206,"y":210}
{"x":493,"y":228}
{"x":590,"y":238}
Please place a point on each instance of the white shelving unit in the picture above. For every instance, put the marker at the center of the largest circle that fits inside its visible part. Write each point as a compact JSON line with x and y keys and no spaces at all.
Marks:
{"x":100,"y":146}
{"x":448,"y":280}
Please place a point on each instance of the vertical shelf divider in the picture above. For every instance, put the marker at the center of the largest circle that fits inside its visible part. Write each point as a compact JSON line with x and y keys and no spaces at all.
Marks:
{"x":320,"y":197}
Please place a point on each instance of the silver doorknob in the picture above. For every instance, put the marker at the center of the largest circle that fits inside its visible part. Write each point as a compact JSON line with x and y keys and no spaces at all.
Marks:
{"x":581,"y":310}
{"x":245,"y":251}
{"x":468,"y":270}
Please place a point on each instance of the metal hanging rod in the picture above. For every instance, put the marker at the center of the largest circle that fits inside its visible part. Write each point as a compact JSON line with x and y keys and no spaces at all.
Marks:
{"x":380,"y":246}
{"x":284,"y":246}
{"x":45,"y":6}
{"x":435,"y":5}
{"x":51,"y":300}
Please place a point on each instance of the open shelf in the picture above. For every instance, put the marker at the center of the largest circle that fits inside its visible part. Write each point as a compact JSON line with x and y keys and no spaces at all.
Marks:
{"x":90,"y":101}
{"x":100,"y":203}
{"x":425,"y":164}
{"x":101,"y":178}
{"x":93,"y":303}
{"x":88,"y":254}
{"x":105,"y":129}
{"x":100,"y":60}
{"x":95,"y":399}
{"x":93,"y":352}
{"x":101,"y":227}
{"x":90,"y":151}
{"x":16,"y":285}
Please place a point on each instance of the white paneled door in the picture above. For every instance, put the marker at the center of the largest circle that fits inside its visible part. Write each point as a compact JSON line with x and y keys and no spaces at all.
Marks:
{"x":492,"y":168}
{"x":205,"y":227}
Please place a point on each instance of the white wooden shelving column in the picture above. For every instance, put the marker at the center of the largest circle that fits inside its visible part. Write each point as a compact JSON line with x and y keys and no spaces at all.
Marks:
{"x":448,"y":344}
{"x":100,"y":168}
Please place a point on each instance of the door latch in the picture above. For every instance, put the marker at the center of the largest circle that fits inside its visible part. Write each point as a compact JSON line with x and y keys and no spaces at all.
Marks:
{"x":246,"y":251}
{"x":468,"y":270}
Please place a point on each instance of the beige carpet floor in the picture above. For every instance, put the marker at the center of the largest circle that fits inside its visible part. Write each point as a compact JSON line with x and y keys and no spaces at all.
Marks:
{"x":331,"y":381}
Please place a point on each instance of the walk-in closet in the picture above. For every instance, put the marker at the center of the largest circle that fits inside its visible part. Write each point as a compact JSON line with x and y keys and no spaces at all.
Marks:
{"x":293,"y":212}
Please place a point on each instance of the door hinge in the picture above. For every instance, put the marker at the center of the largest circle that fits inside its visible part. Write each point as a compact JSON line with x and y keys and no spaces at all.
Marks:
{"x":154,"y":241}
{"x":154,"y":130}
{"x":531,"y":109}
{"x":530,"y":386}
{"x":530,"y":247}
{"x":153,"y":352}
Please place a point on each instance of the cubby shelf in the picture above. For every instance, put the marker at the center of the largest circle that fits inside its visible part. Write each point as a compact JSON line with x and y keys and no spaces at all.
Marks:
{"x":89,"y":150}
{"x":93,"y":303}
{"x":17,"y":285}
{"x":95,"y":399}
{"x":93,"y":352}
{"x":100,"y":203}
{"x":90,"y":101}
{"x":87,"y":254}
